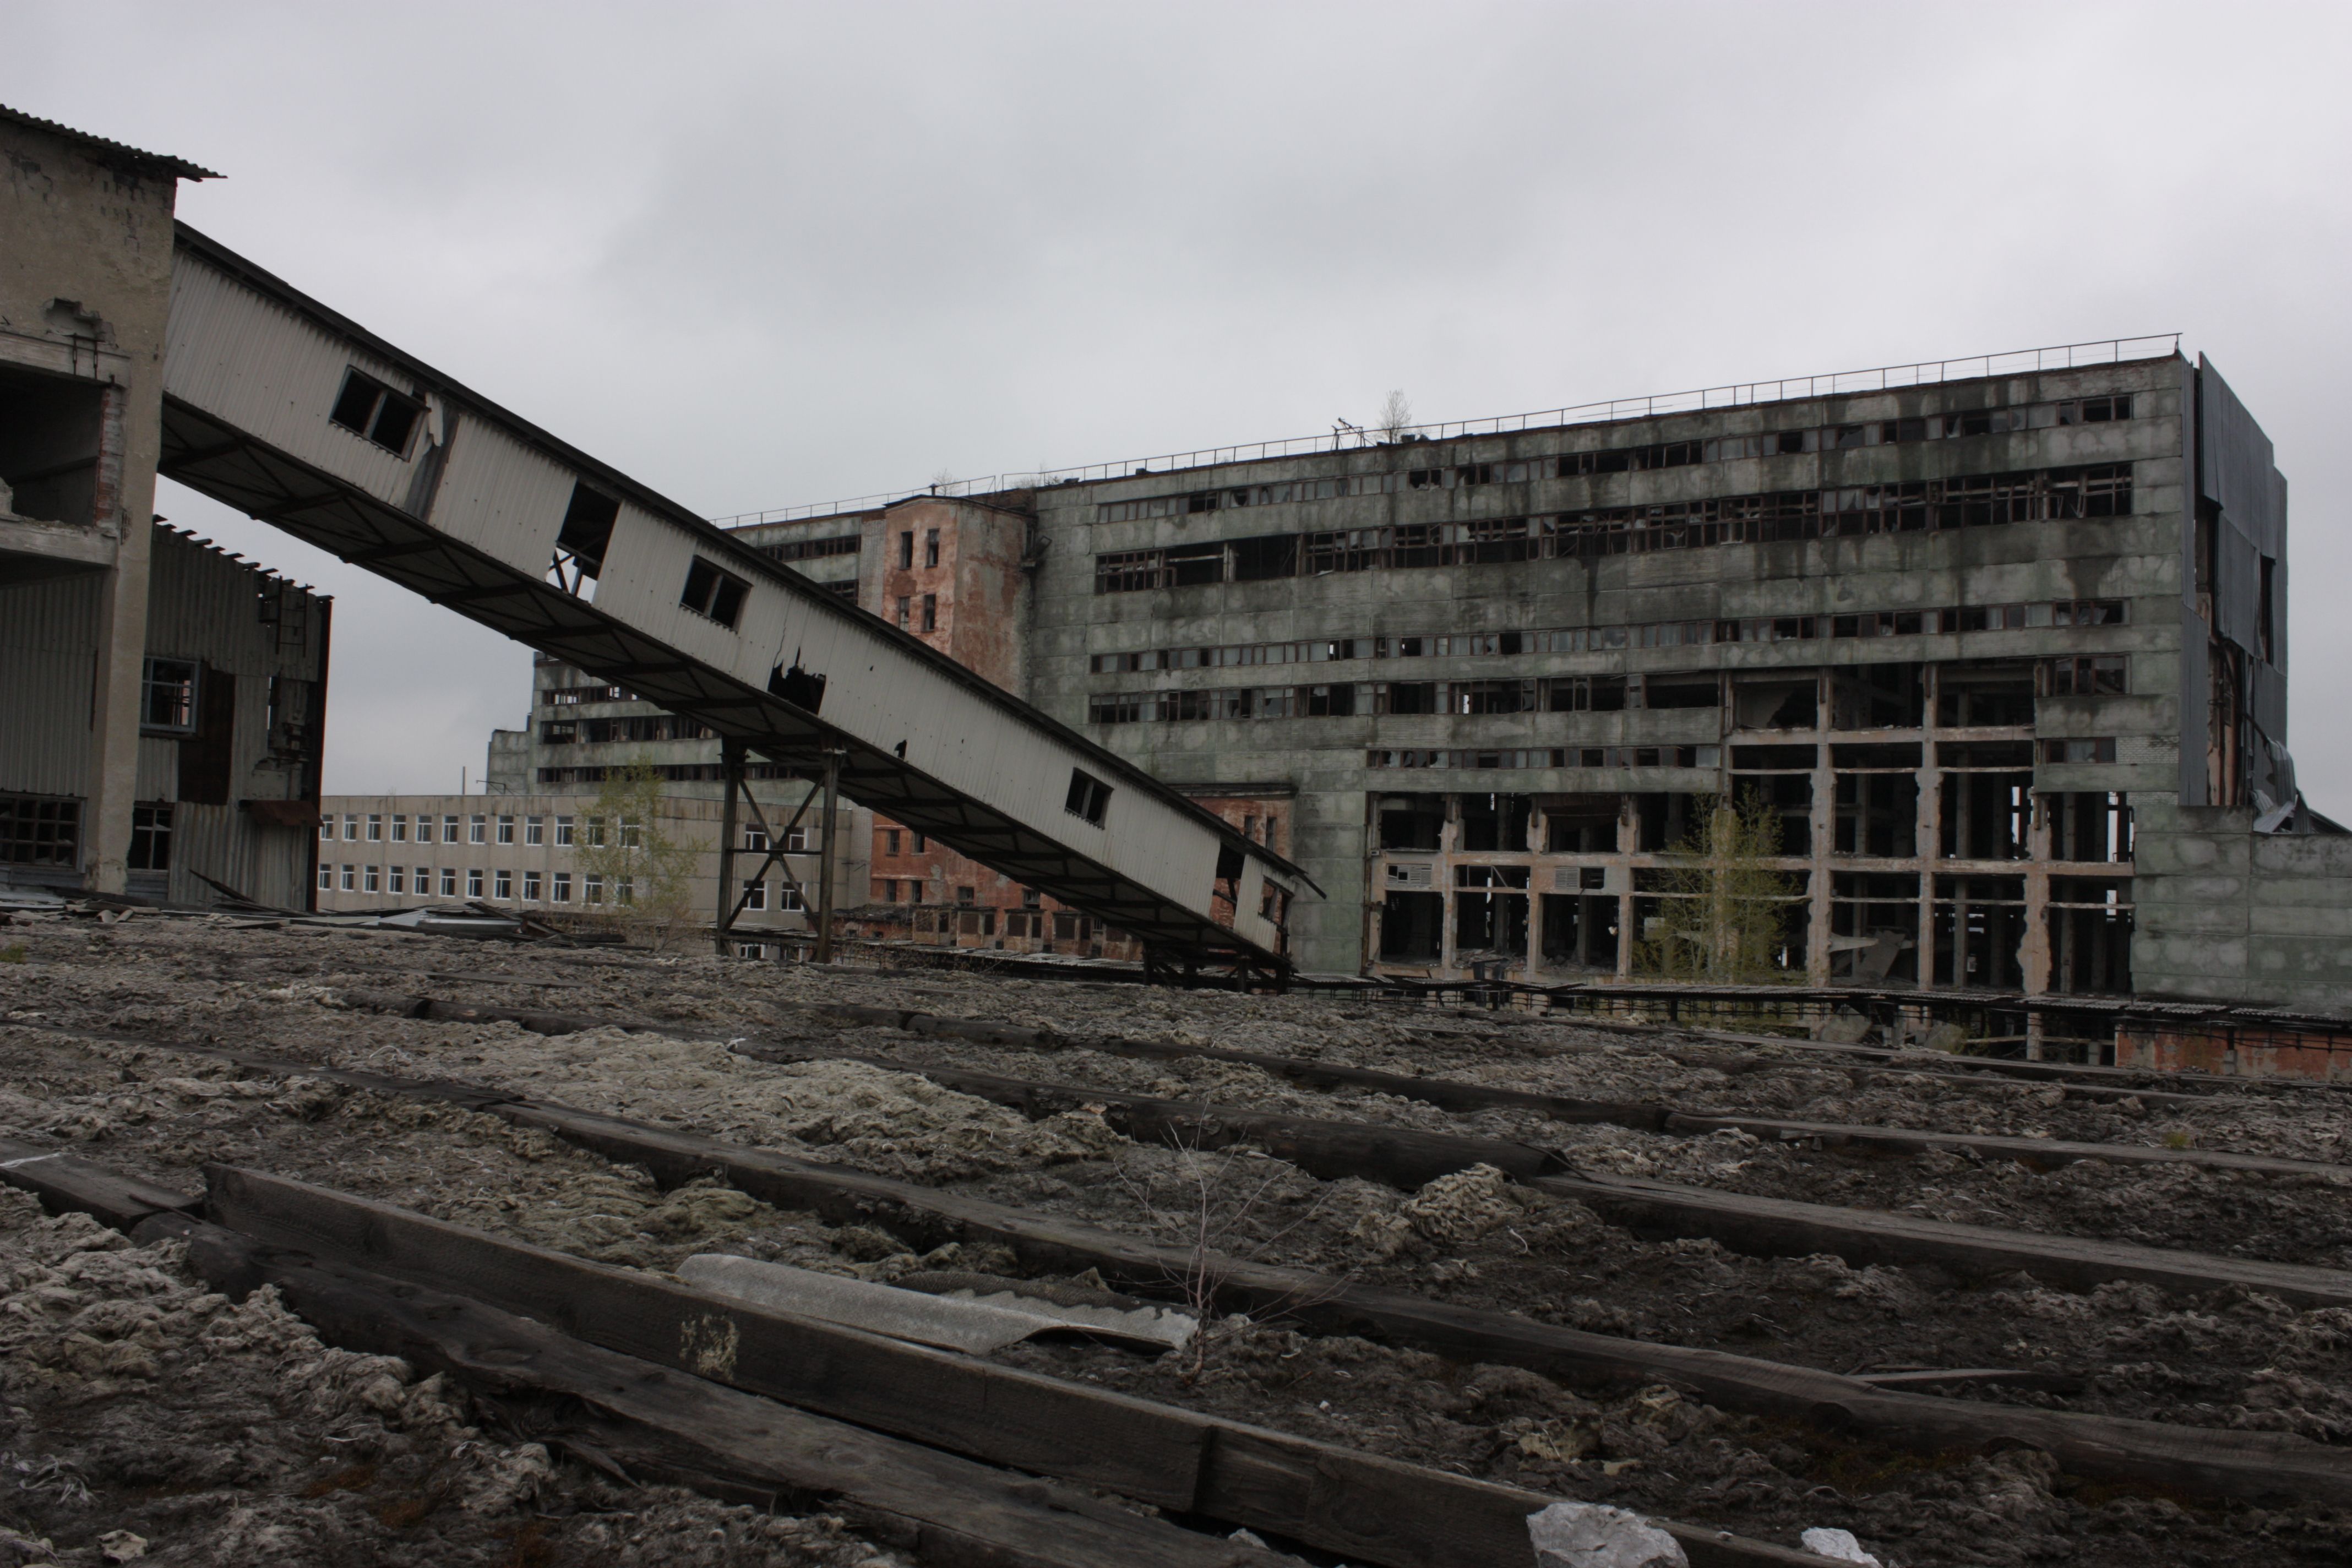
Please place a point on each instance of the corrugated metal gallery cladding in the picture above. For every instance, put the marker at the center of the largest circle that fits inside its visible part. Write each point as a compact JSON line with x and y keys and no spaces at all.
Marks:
{"x":249,"y":359}
{"x":48,"y":641}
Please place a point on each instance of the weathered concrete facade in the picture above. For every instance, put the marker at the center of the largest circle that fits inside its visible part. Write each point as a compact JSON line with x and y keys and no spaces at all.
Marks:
{"x":1970,"y":639}
{"x":85,"y":287}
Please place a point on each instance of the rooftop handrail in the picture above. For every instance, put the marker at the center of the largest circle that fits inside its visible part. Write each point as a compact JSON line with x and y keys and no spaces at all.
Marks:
{"x":1735,"y":394}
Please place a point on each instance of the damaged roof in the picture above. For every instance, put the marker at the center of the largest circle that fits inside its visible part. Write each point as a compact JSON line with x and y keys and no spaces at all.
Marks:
{"x":105,"y":151}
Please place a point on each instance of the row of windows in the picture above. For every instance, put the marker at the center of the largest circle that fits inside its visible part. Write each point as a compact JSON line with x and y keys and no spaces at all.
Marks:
{"x":379,"y":828}
{"x":631,"y":727}
{"x":810,"y":549}
{"x":572,"y":696}
{"x":1975,"y":502}
{"x":1649,"y":634}
{"x":425,"y":881}
{"x":2100,"y":750}
{"x":677,"y":773}
{"x":1551,"y":757}
{"x":1630,"y":459}
{"x":2096,"y":675}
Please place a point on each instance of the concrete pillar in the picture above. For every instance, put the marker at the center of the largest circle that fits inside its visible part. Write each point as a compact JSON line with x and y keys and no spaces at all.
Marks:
{"x":112,"y":775}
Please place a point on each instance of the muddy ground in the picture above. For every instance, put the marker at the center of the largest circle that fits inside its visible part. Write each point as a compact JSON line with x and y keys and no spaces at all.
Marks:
{"x":2232,"y":1359}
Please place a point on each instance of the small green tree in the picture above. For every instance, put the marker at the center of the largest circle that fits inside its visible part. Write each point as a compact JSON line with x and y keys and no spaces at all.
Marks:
{"x":1721,"y":906}
{"x":637,"y":866}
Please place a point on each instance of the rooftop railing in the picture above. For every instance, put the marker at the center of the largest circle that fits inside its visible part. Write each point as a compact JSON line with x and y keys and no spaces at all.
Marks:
{"x":1737,"y":395}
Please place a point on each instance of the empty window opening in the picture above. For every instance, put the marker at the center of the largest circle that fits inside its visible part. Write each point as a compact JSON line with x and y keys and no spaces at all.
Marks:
{"x":1664,"y":820}
{"x":2089,"y":825}
{"x":932,"y":547}
{"x":713,"y":592}
{"x":1877,"y":815}
{"x":39,"y":831}
{"x":1090,"y":798}
{"x":1776,"y":704}
{"x":581,"y":543}
{"x":1874,"y":927}
{"x":1987,"y":815}
{"x":2090,"y":924}
{"x":1580,"y":825}
{"x":1412,"y":822}
{"x":1580,"y":931}
{"x":151,"y":838}
{"x":907,"y":550}
{"x":1496,"y":822}
{"x":1412,"y":927}
{"x":369,"y":408}
{"x":930,"y":612}
{"x":2102,"y":675}
{"x":1981,"y":933}
{"x":1877,"y":697}
{"x":1984,"y":695}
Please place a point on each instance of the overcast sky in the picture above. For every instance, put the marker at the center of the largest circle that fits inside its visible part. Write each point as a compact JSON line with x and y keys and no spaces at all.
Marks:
{"x":765,"y":255}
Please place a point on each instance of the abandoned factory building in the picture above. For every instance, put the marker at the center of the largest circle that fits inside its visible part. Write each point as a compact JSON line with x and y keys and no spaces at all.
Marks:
{"x":2000,"y":656}
{"x":161,"y":702}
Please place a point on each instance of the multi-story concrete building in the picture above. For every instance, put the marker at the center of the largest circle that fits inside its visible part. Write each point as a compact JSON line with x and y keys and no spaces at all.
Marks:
{"x":2003,"y":645}
{"x":524,"y":853}
{"x":161,"y":701}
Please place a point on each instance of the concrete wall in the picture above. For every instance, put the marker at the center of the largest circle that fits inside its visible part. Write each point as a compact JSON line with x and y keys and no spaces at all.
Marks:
{"x":2135,"y":558}
{"x":2229,"y":915}
{"x":85,"y":287}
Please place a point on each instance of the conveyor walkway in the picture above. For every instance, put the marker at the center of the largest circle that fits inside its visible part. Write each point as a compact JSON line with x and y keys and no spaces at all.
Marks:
{"x":278,"y":406}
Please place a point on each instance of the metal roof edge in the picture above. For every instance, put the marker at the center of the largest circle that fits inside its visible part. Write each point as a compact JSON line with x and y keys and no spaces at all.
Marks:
{"x":107,"y":150}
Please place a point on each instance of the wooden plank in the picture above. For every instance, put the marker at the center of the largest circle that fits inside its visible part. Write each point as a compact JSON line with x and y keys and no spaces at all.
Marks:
{"x":66,"y":1183}
{"x":2030,"y":1151}
{"x":951,"y":1510}
{"x":1363,"y":1506}
{"x":2216,"y":1461}
{"x":1781,"y":1227}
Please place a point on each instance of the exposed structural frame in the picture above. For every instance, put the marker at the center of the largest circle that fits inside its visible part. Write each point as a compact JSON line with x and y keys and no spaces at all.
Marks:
{"x":278,"y":406}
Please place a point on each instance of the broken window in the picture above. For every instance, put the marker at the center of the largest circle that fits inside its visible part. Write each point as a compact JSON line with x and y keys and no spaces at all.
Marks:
{"x":369,"y":408}
{"x":151,"y":838}
{"x":1330,"y":702}
{"x":2090,"y":934}
{"x":1985,"y":816}
{"x":1581,"y":929}
{"x":1110,"y":709}
{"x":1584,"y":694}
{"x":930,"y":612}
{"x":2084,"y":749}
{"x":1491,"y":697}
{"x":168,"y":697}
{"x":581,"y":543}
{"x":1786,"y":704}
{"x":907,"y":550}
{"x":1411,"y":927}
{"x":2098,"y":675}
{"x":1485,"y":918}
{"x":713,"y":592}
{"x":1496,"y":822}
{"x":1874,"y":927}
{"x":1680,"y":692}
{"x":1412,"y":822}
{"x":1580,"y":825}
{"x":1984,"y":695}
{"x":1189,"y":566}
{"x":1877,"y":697}
{"x":2089,"y":825}
{"x":1088,"y":798}
{"x":1259,"y":560}
{"x":1981,"y":933}
{"x":1877,"y":800}
{"x":1408,"y":697}
{"x":930,"y":547}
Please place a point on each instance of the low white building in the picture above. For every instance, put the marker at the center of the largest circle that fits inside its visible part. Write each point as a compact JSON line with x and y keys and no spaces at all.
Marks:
{"x":523,"y":852}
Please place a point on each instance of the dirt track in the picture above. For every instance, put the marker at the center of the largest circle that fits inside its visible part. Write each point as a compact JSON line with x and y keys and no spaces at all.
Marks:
{"x":105,"y":1348}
